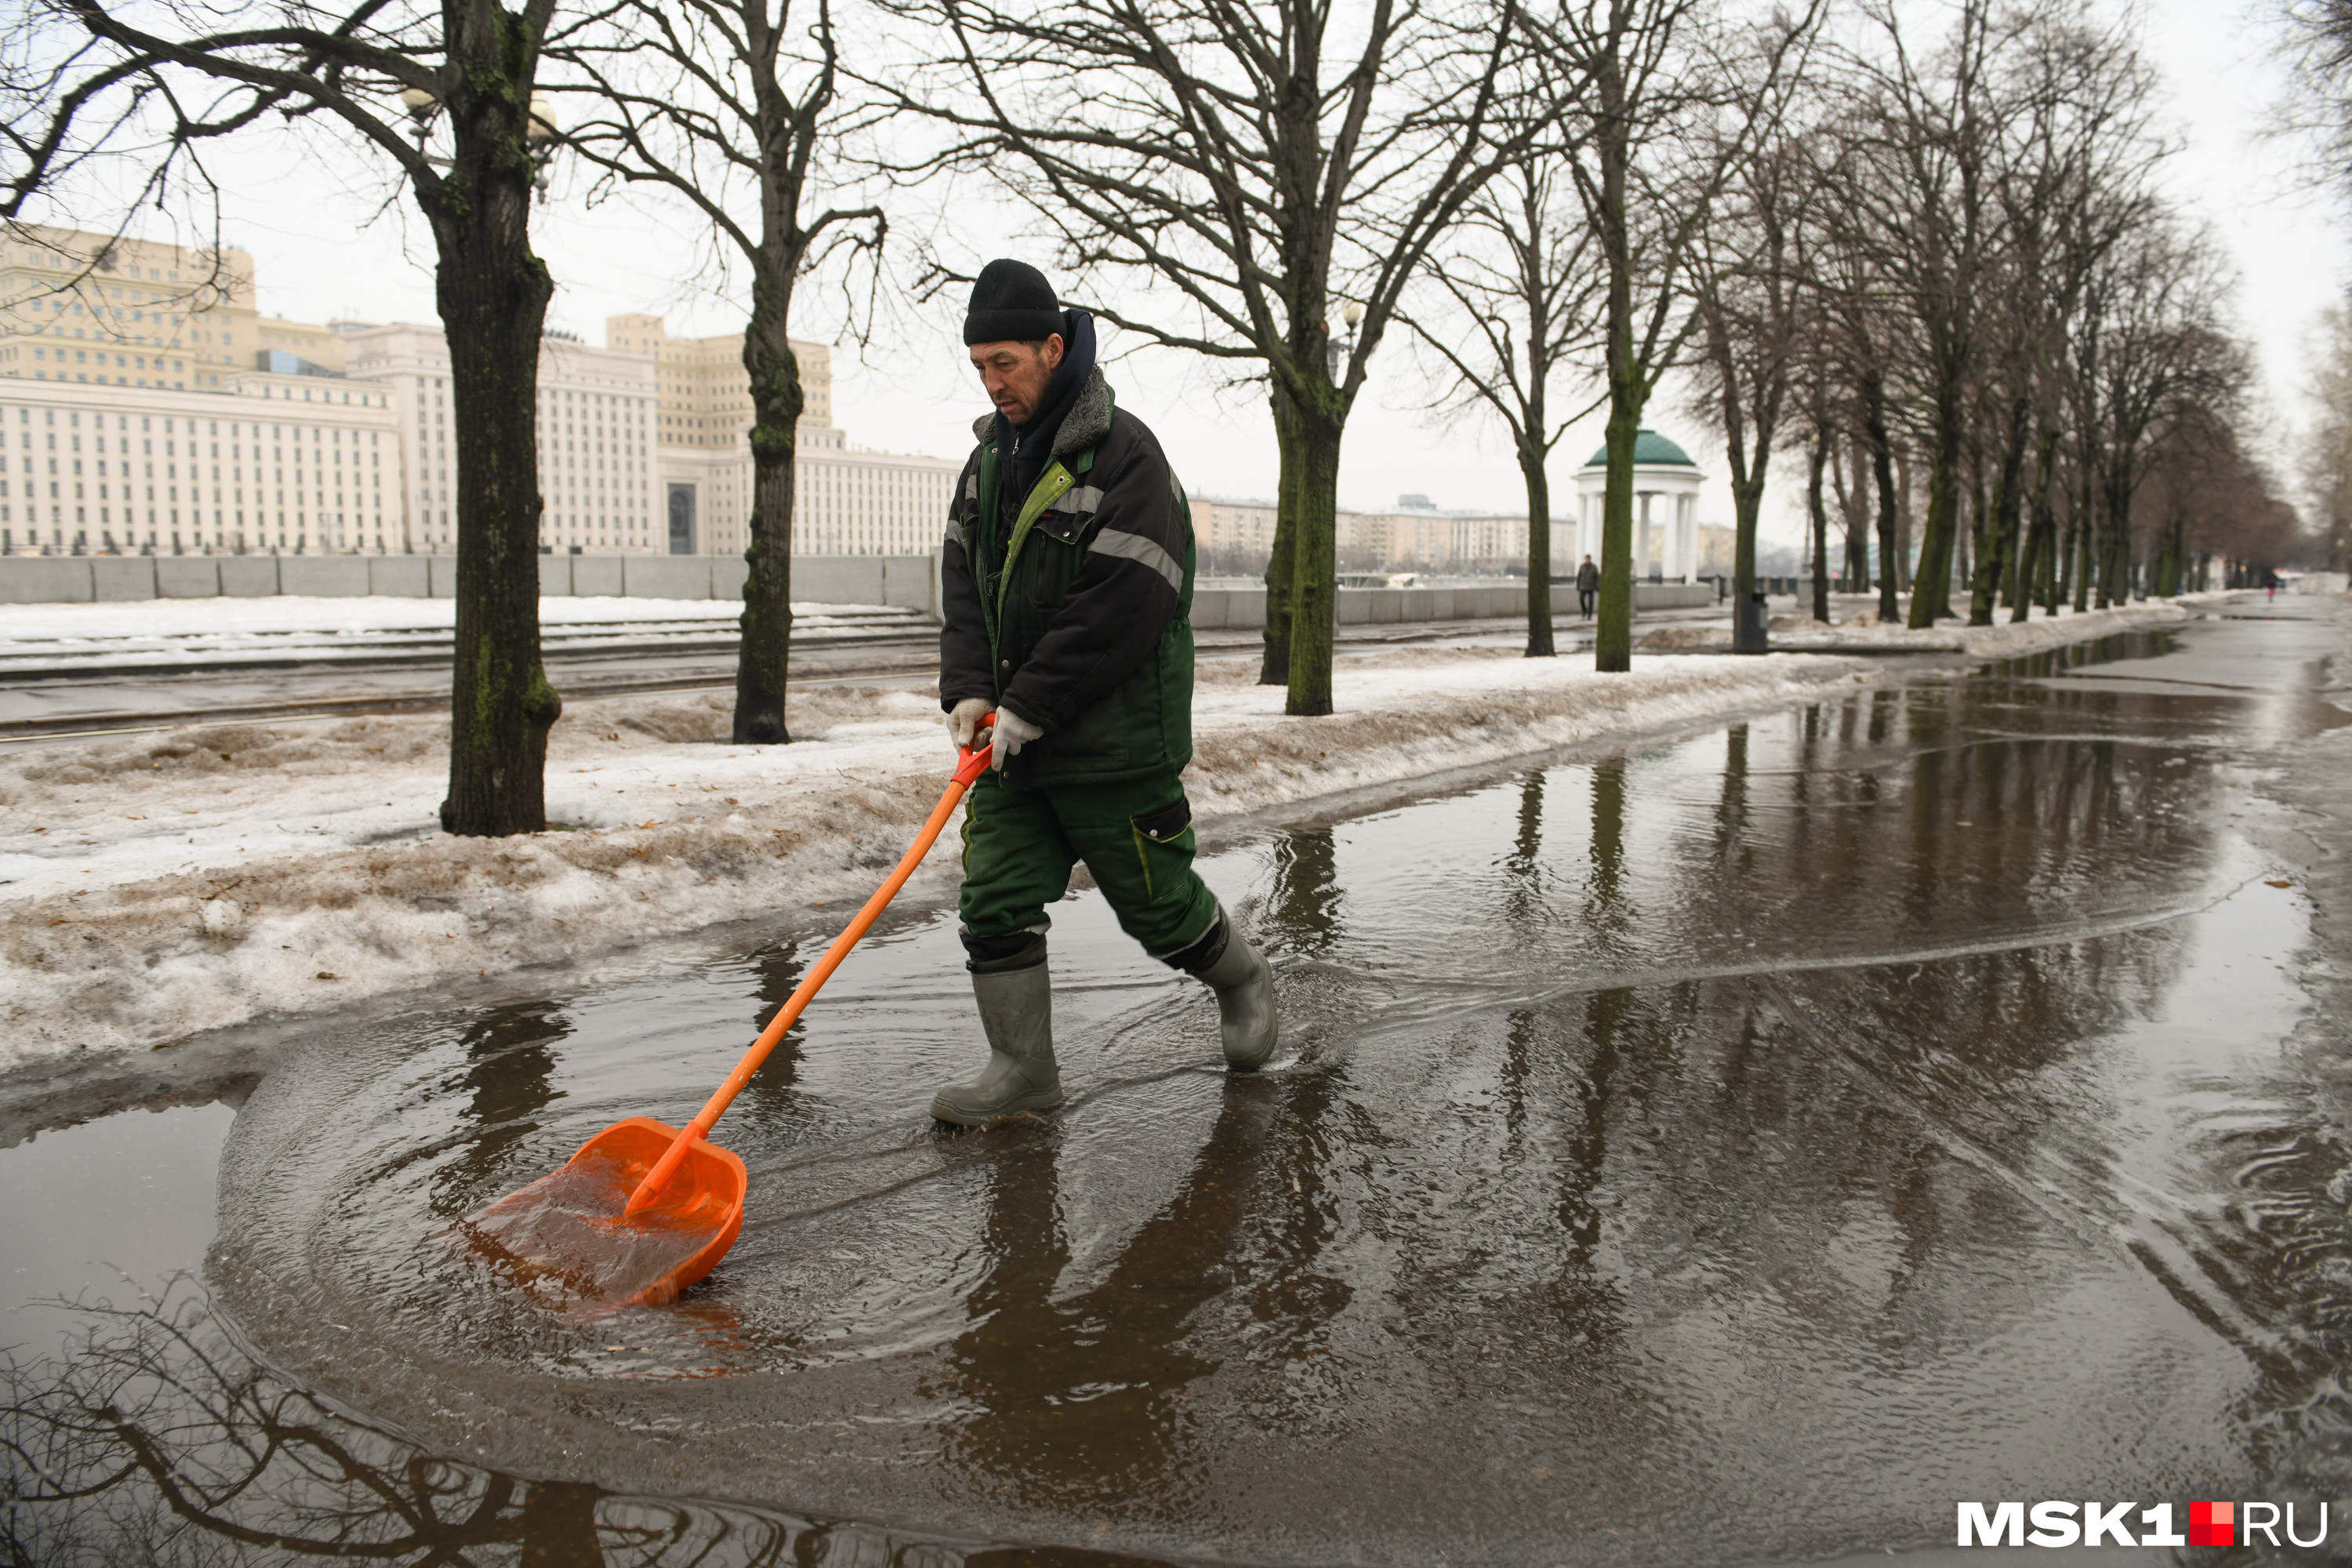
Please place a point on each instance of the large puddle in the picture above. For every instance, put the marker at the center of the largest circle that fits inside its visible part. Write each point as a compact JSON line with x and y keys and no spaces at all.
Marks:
{"x":1740,"y":1149}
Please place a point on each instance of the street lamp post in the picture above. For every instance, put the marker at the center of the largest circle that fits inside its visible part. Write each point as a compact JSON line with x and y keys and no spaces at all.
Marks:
{"x":1337,"y":352}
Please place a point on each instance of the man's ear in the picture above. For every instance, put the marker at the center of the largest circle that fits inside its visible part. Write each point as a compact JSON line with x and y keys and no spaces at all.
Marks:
{"x":1051,"y":353}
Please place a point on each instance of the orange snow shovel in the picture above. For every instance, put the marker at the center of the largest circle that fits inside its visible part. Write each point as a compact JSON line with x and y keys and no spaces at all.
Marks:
{"x":645,"y":1209}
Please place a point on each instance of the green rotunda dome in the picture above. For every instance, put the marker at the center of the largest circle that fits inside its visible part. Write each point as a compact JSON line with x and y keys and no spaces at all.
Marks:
{"x":1650,"y":451}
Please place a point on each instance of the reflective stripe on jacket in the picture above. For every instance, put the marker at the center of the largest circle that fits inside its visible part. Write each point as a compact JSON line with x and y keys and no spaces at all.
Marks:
{"x":1071,"y":605}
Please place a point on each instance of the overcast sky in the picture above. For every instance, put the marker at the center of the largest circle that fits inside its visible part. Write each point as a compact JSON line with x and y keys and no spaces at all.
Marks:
{"x":323,"y":250}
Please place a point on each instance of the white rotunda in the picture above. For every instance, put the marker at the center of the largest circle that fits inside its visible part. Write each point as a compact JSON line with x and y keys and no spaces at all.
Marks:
{"x":1665,"y":509}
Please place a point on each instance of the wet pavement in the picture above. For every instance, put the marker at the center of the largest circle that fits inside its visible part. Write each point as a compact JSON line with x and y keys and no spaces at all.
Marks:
{"x":1738,"y":1149}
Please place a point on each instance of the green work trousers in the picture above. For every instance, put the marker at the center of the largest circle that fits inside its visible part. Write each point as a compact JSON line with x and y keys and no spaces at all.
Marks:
{"x":1135,"y":836}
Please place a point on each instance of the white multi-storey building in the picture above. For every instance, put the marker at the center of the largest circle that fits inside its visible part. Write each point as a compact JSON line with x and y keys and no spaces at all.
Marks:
{"x":92,"y":310}
{"x":596,"y":467}
{"x":275,"y":466}
{"x":846,"y":500}
{"x":221,"y":429}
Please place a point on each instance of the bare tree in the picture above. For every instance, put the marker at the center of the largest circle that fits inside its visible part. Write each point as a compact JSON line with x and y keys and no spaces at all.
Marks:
{"x":1252,"y":162}
{"x":2070,"y":181}
{"x":1917,"y":197}
{"x":1519,"y":285}
{"x":707,"y":100}
{"x":1858,"y":331}
{"x":2316,"y":35}
{"x":1750,"y":279}
{"x":201,"y":73}
{"x":2330,"y":480}
{"x":2161,"y":356}
{"x":1677,"y":102}
{"x":1850,"y":485}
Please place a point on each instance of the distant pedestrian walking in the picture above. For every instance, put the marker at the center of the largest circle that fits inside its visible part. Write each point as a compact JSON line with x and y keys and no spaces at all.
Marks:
{"x":1588,"y":584}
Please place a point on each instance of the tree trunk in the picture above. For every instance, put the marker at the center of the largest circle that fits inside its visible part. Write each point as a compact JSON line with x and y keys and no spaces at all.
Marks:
{"x":1997,"y":555}
{"x":1531,"y":467}
{"x":1821,"y":456}
{"x":1851,"y":509}
{"x":492,"y":293}
{"x":765,"y":654}
{"x":1931,"y":586}
{"x":1747,"y":507}
{"x":1314,"y":550}
{"x":1882,"y":461}
{"x":1273,"y":668}
{"x":1612,"y":636}
{"x":2041,"y":534}
{"x":1904,"y":493}
{"x":2115,"y":538}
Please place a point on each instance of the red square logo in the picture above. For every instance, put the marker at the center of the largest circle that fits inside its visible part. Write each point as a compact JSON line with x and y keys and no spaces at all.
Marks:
{"x":2209,"y":1523}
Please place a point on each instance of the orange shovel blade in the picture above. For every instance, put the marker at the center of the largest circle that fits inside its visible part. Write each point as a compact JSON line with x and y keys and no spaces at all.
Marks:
{"x":567,"y":1234}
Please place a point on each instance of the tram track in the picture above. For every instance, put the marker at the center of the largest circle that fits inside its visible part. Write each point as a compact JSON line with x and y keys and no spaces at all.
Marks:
{"x":841,"y":656}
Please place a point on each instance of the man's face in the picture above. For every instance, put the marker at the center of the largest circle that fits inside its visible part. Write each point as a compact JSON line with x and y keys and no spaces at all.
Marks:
{"x":1016,"y":374}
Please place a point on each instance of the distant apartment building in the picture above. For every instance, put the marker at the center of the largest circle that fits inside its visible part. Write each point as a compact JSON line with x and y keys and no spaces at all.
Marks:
{"x":848,"y":500}
{"x":340,"y":437}
{"x":1413,"y":537}
{"x":92,"y":310}
{"x":598,"y":463}
{"x":278,"y":464}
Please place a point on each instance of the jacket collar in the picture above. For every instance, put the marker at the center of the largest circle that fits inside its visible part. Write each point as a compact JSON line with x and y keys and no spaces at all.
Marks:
{"x":1087,"y":422}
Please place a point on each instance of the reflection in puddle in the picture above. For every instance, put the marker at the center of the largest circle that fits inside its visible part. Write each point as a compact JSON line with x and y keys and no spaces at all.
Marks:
{"x":1733,"y":1150}
{"x":158,"y":1441}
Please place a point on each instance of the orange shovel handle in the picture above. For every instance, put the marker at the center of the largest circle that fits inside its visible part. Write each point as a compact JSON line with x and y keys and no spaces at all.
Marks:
{"x":970,"y":765}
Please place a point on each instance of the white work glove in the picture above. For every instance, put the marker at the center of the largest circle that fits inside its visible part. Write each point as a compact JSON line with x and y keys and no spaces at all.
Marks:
{"x":963,"y":721}
{"x":1013,"y":732}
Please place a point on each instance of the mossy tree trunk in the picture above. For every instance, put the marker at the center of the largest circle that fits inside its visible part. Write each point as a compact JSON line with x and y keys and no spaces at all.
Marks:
{"x":1931,"y":586}
{"x":1882,"y":468}
{"x":1612,"y":647}
{"x":1314,"y":593}
{"x":1997,"y":549}
{"x":1821,"y":514}
{"x":1629,"y":391}
{"x":492,"y":292}
{"x":1274,"y":667}
{"x":2034,"y":577}
{"x":764,"y":657}
{"x":1539,"y":482}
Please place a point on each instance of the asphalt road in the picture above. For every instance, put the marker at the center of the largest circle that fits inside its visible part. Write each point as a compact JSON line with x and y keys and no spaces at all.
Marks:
{"x":1738,"y":1147}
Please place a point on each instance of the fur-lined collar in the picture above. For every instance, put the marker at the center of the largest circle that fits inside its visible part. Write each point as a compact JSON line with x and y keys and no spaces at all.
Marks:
{"x":1087,"y":423}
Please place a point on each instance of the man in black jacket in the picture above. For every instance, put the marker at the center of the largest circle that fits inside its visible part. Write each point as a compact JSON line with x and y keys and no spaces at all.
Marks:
{"x":1067,"y":588}
{"x":1588,"y":584}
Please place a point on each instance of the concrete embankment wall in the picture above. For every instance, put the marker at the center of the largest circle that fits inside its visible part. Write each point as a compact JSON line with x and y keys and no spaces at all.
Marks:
{"x":909,"y":582}
{"x":906,"y":581}
{"x":1244,"y":608}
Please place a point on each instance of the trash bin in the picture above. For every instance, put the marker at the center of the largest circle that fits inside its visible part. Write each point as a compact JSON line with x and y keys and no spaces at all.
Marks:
{"x":1748,"y":634}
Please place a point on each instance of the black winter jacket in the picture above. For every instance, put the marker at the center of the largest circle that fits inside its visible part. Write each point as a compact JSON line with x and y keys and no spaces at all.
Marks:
{"x":1079,"y":621}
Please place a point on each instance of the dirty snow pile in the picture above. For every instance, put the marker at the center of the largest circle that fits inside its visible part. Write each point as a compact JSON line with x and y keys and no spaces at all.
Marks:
{"x":152,"y":888}
{"x":1856,"y":624}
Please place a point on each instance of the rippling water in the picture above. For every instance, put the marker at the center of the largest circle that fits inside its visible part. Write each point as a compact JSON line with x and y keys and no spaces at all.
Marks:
{"x":1739,"y":1149}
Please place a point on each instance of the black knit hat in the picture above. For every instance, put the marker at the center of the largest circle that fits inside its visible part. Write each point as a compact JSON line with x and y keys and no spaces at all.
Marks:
{"x":1012,"y":301}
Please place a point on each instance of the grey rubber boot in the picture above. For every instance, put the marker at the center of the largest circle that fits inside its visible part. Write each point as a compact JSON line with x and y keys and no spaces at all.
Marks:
{"x":1244,"y":983}
{"x":1016,"y":1011}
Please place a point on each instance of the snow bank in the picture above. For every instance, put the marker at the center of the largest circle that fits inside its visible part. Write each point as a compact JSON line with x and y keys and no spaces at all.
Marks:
{"x":203,"y":877}
{"x":1863,"y":629}
{"x":294,"y":612}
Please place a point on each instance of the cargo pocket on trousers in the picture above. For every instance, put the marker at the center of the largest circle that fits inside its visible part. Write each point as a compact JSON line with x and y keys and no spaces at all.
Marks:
{"x":1163,"y":844}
